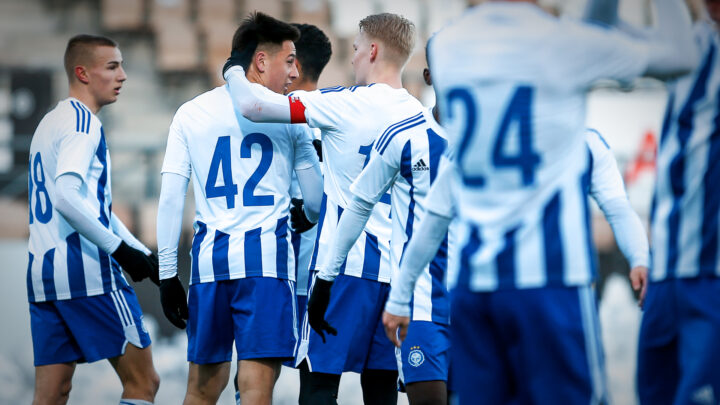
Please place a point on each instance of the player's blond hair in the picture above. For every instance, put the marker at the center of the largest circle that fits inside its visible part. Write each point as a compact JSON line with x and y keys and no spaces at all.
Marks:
{"x":395,"y":32}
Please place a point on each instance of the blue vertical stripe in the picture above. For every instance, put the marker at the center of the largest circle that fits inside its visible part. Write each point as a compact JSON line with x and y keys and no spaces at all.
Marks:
{"x":89,"y":119}
{"x":677,"y":164}
{"x":197,"y":242}
{"x":585,"y":181}
{"x":295,"y":239}
{"x":101,"y":155}
{"x":344,"y":264}
{"x":75,"y":266}
{"x":371,"y":261}
{"x":105,"y":270}
{"x":406,"y":173}
{"x":437,"y":147}
{"x":281,"y":252}
{"x":439,"y":296}
{"x":505,"y":262}
{"x":711,"y":201}
{"x":48,"y":275}
{"x":30,"y":289}
{"x":667,"y":119}
{"x":321,"y":220}
{"x":471,"y":247}
{"x":77,"y":116}
{"x":253,"y":253}
{"x":554,"y":256}
{"x":221,"y":244}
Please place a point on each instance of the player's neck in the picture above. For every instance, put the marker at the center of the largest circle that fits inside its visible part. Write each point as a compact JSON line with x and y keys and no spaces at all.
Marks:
{"x":305,"y":85}
{"x":84,"y":96}
{"x":391,"y":77}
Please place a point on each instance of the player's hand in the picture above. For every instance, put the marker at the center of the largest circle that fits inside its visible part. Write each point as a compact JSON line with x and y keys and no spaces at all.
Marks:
{"x":235,"y":59}
{"x":395,"y":327}
{"x":174,"y":302}
{"x":317,"y":305}
{"x":136,"y":263}
{"x":317,"y":144}
{"x":639,"y":281}
{"x":298,"y":220}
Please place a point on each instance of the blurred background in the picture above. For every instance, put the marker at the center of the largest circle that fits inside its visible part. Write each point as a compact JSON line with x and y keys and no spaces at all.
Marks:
{"x":174,"y":50}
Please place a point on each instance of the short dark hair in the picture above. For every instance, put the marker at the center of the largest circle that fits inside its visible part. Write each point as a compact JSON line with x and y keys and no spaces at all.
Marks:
{"x":313,"y":50}
{"x":259,"y":29}
{"x":79,"y":47}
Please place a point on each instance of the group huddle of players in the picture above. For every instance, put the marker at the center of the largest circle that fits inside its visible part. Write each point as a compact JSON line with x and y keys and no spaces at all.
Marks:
{"x":392,"y":217}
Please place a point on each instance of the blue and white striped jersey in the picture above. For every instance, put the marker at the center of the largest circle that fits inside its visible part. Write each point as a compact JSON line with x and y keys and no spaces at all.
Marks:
{"x":686,"y":204}
{"x":406,"y":160}
{"x":518,"y":130}
{"x":350,"y":119}
{"x":241,"y":174}
{"x":63,"y":264}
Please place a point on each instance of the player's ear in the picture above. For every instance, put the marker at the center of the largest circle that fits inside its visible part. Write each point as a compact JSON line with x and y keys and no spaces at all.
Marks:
{"x":260,"y":60}
{"x":81,"y":74}
{"x":426,"y":77}
{"x":373,"y":51}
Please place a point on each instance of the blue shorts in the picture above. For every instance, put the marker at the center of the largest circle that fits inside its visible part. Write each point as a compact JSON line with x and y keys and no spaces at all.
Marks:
{"x":530,"y":346}
{"x":258,"y":313}
{"x":355,"y":310}
{"x":87,"y":329}
{"x":424,"y":355}
{"x":302,"y":308}
{"x":679,"y":347}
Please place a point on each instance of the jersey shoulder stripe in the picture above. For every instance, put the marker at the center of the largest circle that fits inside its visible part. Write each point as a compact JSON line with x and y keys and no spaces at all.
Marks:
{"x":396,"y":128}
{"x":82,"y":117}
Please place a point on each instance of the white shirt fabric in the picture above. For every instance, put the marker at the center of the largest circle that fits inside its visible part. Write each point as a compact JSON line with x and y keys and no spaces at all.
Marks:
{"x":684,"y":215}
{"x":608,"y":190}
{"x":406,"y":159}
{"x":64,"y":264}
{"x":241,"y":173}
{"x":350,"y":119}
{"x":520,"y":139}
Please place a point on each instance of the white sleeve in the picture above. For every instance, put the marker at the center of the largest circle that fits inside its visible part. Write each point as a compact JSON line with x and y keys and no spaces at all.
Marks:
{"x":177,"y":153}
{"x":440,"y":198}
{"x":121,"y":230}
{"x":348,"y":230}
{"x":305,"y":155}
{"x":591,"y":52}
{"x":607,"y":189}
{"x":606,"y":183}
{"x":169,"y":221}
{"x":311,"y":187}
{"x":254,"y":101}
{"x":628,"y":230}
{"x":76,"y":212}
{"x":368,"y":188}
{"x":420,"y":251}
{"x":75,"y":153}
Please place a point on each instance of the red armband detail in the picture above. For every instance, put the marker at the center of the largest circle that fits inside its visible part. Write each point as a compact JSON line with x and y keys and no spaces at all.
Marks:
{"x":297,"y":111}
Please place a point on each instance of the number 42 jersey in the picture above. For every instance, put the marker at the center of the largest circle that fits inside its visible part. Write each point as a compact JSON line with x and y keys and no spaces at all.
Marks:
{"x":241,"y":173}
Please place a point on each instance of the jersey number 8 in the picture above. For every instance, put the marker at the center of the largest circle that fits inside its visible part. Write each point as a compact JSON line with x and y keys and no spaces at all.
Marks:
{"x":36,"y":175}
{"x":221,"y":161}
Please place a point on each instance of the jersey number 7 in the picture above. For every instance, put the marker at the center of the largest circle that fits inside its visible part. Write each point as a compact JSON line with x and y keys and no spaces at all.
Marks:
{"x":221,"y":161}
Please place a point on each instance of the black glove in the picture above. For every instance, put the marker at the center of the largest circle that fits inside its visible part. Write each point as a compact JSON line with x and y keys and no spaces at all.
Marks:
{"x":136,"y":263}
{"x":174,"y":302}
{"x":233,"y":60}
{"x":317,"y":305}
{"x":317,"y":144}
{"x":298,"y":220}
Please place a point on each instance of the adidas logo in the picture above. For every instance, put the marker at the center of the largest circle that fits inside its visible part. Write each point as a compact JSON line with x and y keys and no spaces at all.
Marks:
{"x":420,"y":166}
